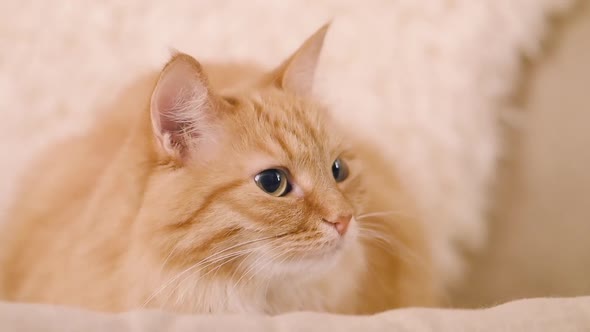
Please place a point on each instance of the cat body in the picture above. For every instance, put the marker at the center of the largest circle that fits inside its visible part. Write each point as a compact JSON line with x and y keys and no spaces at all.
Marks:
{"x":219,"y":189}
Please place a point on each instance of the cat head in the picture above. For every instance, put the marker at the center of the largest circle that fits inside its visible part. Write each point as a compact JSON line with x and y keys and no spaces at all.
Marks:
{"x":256,"y":181}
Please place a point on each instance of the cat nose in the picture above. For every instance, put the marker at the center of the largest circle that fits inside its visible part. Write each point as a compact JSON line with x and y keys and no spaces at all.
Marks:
{"x":341,"y":223}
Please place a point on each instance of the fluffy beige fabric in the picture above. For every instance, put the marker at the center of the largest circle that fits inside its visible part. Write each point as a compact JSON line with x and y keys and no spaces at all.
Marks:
{"x":423,"y":78}
{"x":538,"y":315}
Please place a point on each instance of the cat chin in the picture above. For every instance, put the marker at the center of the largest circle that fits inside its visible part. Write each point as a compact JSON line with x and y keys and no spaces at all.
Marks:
{"x":306,"y":269}
{"x":317,"y":263}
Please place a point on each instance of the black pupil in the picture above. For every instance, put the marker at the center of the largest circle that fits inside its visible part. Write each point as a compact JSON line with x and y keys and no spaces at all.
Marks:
{"x":336,"y":168}
{"x":270,"y":180}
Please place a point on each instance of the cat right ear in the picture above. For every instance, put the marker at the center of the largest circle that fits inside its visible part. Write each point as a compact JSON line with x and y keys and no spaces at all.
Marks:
{"x":297,"y":73}
{"x":182,"y":108}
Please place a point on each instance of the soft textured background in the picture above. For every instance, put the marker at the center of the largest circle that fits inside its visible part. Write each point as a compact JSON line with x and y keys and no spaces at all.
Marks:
{"x":427,"y":80}
{"x":540,"y":223}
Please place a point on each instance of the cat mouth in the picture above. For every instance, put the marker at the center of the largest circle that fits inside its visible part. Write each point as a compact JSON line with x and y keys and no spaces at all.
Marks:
{"x":312,"y":260}
{"x":328,"y":249}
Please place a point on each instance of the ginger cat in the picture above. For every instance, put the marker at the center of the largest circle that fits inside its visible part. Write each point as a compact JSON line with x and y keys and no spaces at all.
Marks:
{"x":214,"y":190}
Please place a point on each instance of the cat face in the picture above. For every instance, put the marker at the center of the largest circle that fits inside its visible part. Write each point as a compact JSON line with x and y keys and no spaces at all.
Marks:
{"x":258,"y":182}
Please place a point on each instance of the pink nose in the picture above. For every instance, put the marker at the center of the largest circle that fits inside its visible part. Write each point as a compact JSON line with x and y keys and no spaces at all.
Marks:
{"x":341,"y":223}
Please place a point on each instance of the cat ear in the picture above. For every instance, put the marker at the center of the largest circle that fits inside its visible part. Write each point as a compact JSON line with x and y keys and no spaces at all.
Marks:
{"x":182,"y":107}
{"x":297,"y":73}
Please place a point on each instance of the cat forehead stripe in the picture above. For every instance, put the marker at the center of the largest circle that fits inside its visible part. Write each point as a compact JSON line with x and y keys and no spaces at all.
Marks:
{"x":294,"y":121}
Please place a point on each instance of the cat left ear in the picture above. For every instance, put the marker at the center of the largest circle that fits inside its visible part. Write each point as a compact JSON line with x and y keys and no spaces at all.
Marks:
{"x":183,"y":109}
{"x":297,"y":73}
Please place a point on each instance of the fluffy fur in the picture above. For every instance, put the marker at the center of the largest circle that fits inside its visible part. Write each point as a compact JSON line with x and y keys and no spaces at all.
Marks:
{"x":156,"y":206}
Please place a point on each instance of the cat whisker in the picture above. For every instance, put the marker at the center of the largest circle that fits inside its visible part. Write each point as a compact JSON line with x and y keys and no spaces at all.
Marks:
{"x":252,"y":266}
{"x":190,"y":271}
{"x":244,"y":253}
{"x":256,"y":268}
{"x":394,"y":246}
{"x":224,"y":262}
{"x":255,"y":263}
{"x":168,"y":257}
{"x":371,"y":231}
{"x":238,"y":268}
{"x":232,"y":290}
{"x":382,"y":214}
{"x":205,"y":260}
{"x":271,"y":260}
{"x":269,"y":243}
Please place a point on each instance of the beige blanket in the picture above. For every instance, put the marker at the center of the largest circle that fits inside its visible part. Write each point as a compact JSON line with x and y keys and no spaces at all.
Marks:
{"x":534,"y":315}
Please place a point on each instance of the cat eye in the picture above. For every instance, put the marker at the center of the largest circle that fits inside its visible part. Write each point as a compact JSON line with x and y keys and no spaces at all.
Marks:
{"x":273,"y":181}
{"x":339,"y":170}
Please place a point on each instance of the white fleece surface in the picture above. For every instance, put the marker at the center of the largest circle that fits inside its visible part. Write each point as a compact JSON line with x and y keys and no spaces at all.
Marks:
{"x":425,"y":79}
{"x":538,"y":315}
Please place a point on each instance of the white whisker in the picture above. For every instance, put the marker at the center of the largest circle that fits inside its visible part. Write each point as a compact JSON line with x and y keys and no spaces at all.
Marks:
{"x":252,"y":266}
{"x":168,"y":257}
{"x":205,"y":260}
{"x":230,"y":256}
{"x":382,"y":214}
{"x":226,"y":260}
{"x":392,"y":245}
